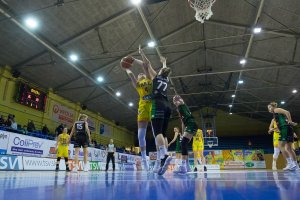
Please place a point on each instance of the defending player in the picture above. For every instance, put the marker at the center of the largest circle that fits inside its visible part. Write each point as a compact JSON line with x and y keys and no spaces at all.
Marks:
{"x":273,"y":128}
{"x":143,"y":85}
{"x":83,"y":138}
{"x":198,"y":148}
{"x":284,"y":124}
{"x":189,"y":131}
{"x":161,"y":110}
{"x":62,"y":146}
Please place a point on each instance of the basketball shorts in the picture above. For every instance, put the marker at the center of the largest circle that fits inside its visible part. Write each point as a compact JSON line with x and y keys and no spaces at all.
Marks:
{"x":144,"y":112}
{"x":198,"y":146}
{"x":286,"y":134}
{"x":178,"y":147}
{"x":276,"y":139}
{"x":62,"y":151}
{"x":160,"y":116}
{"x":191,"y":126}
{"x":81,"y":141}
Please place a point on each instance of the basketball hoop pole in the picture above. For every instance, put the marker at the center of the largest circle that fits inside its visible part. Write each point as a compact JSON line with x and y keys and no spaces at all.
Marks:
{"x":153,"y":38}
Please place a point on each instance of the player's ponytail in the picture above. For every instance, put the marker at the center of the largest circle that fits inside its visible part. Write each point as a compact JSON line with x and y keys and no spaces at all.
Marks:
{"x":82,"y":117}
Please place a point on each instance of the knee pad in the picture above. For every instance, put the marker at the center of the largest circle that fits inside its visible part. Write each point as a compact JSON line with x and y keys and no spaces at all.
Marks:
{"x":58,"y":159}
{"x":184,"y":146}
{"x":66,"y":160}
{"x":276,"y":153}
{"x":142,"y":136}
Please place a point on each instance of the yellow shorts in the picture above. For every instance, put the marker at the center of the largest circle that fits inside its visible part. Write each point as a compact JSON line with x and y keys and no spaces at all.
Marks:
{"x":198,"y":147}
{"x":144,"y":112}
{"x":62,"y":152}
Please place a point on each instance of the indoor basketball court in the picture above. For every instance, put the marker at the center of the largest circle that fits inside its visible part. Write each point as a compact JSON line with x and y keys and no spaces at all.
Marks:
{"x":149,"y":99}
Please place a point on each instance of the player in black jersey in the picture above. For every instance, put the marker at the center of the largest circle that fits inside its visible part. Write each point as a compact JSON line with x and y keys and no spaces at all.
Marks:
{"x":83,"y":138}
{"x":190,"y":129}
{"x":161,"y":111}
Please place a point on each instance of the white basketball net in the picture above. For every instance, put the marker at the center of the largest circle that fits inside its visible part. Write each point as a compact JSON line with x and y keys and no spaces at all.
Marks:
{"x":210,"y":144}
{"x":202,"y":8}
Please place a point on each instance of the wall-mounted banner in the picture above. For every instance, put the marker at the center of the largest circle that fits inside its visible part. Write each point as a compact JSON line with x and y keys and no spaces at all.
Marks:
{"x":92,"y":124}
{"x":105,"y":130}
{"x":233,"y":159}
{"x":4,"y":136}
{"x":62,"y":114}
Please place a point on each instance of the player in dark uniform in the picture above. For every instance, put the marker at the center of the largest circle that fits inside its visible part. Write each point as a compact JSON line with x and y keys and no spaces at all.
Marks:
{"x":284,"y":124}
{"x":161,"y":111}
{"x":83,"y":138}
{"x":190,"y":129}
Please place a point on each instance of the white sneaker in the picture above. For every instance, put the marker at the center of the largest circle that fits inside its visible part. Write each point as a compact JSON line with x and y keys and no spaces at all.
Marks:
{"x":145,"y":164}
{"x":164,"y":168}
{"x":156,"y":166}
{"x":293,"y":167}
{"x":75,"y":169}
{"x":86,"y":168}
{"x":182,"y":170}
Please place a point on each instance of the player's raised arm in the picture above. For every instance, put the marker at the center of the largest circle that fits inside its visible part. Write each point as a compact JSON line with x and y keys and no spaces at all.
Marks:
{"x":147,"y":65}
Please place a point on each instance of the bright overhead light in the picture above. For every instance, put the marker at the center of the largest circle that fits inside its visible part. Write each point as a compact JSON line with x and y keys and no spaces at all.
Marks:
{"x":136,"y":2}
{"x":73,"y":57}
{"x":151,"y":44}
{"x":118,"y":94}
{"x":233,"y":95}
{"x":230,"y":113}
{"x":230,"y":106}
{"x":282,"y":102}
{"x":130,"y":104}
{"x":31,"y":23}
{"x":100,"y":79}
{"x":241,"y":82}
{"x":257,"y":30}
{"x":243,"y":61}
{"x":294,"y":91}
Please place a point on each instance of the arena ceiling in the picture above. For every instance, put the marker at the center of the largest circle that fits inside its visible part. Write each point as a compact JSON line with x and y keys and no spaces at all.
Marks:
{"x":205,"y":58}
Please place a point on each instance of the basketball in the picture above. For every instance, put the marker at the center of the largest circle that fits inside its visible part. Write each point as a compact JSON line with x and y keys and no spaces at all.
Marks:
{"x":126,"y":62}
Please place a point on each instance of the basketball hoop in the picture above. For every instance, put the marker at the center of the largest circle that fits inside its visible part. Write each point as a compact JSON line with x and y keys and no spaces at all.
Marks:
{"x":210,"y":144}
{"x":202,"y":8}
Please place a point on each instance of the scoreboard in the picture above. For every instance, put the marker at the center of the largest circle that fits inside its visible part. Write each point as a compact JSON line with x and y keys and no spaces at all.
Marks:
{"x":31,"y":97}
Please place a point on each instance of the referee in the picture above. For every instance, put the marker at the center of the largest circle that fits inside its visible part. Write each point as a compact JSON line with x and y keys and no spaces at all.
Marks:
{"x":110,"y":154}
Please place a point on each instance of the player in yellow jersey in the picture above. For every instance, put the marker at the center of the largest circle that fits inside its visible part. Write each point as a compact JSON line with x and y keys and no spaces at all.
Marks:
{"x":198,"y":148}
{"x":143,"y":85}
{"x":62,"y":146}
{"x":276,"y":135}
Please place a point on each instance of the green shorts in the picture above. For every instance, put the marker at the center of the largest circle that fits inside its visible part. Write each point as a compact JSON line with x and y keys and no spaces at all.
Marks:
{"x":286,"y":134}
{"x":191,"y":127}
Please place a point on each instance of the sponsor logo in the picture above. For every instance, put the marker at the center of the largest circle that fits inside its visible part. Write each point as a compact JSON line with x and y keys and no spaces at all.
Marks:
{"x":27,"y":143}
{"x":10,"y":163}
{"x":52,"y":150}
{"x":3,"y":136}
{"x":249,"y":164}
{"x":128,"y":167}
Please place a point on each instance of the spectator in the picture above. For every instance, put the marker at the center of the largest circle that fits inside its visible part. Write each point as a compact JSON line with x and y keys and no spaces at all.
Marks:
{"x":45,"y":130}
{"x":2,"y":121}
{"x":30,"y":126}
{"x":9,"y":120}
{"x":14,"y":124}
{"x":59,"y":130}
{"x":95,"y":144}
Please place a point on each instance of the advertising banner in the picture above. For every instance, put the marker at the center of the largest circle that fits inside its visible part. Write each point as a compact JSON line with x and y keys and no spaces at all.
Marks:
{"x":92,"y":124}
{"x":105,"y":130}
{"x":233,"y":159}
{"x":4,"y":136}
{"x":30,"y":146}
{"x":34,"y":163}
{"x":214,"y":157}
{"x":8,"y":162}
{"x":62,"y":114}
{"x":254,"y":159}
